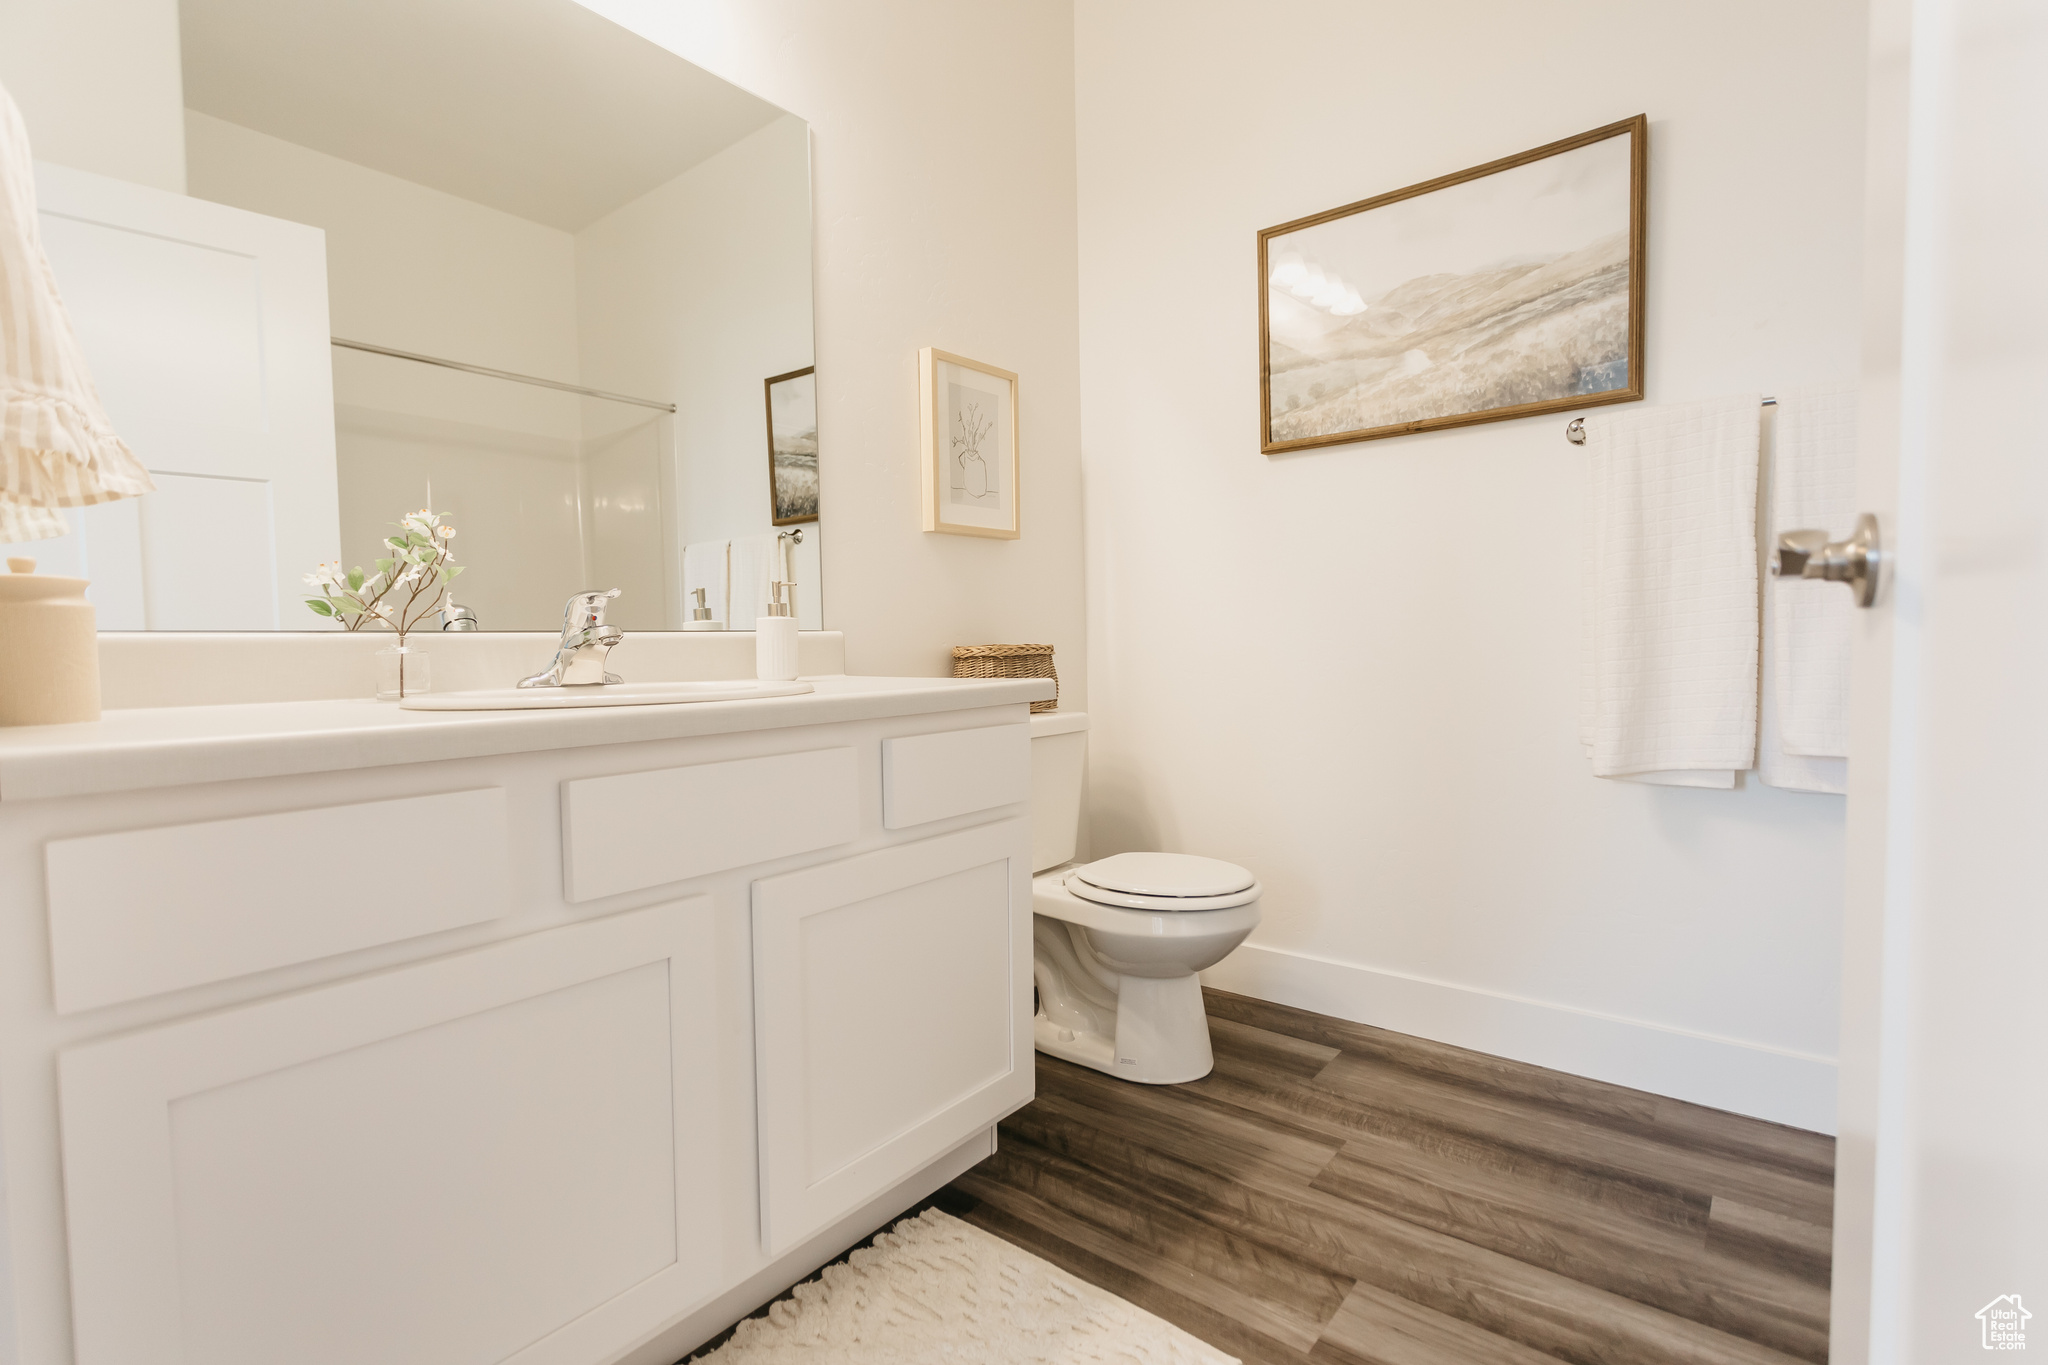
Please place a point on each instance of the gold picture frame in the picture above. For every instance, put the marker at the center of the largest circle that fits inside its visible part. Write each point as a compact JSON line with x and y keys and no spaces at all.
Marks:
{"x":1485,"y":306}
{"x":792,"y":406}
{"x":968,"y":446}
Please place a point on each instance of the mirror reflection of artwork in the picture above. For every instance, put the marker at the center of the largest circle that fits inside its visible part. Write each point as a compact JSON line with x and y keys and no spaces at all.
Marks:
{"x":1507,"y":290}
{"x":970,"y":446}
{"x":793,"y":446}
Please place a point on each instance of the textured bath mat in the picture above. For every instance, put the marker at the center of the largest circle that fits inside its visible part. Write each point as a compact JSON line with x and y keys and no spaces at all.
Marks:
{"x":934,"y":1289}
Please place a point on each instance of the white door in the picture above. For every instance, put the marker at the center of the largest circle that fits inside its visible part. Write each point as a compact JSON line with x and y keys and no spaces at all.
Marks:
{"x":206,"y":330}
{"x":1942,"y":1182}
{"x":506,"y":1155}
{"x":892,"y":1003}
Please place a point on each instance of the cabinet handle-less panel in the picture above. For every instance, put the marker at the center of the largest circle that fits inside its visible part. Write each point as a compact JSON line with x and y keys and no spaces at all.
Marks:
{"x":505,"y":1155}
{"x":636,"y":830}
{"x":145,"y":911}
{"x":891,"y":995}
{"x":954,"y":772}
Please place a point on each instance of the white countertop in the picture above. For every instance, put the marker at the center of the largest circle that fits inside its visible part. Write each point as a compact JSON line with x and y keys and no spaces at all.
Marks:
{"x":168,"y":746}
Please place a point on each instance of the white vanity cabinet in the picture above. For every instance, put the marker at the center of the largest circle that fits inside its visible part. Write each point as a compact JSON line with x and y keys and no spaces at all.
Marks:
{"x":560,"y":1056}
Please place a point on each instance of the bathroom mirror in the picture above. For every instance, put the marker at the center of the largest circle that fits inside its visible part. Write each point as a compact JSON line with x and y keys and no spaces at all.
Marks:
{"x":561,"y":266}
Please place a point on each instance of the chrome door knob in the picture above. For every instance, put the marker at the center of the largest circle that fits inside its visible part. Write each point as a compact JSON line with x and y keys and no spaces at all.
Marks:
{"x":1855,"y":561}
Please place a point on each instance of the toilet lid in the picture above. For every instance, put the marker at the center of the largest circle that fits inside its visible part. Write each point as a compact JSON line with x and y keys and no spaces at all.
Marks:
{"x":1163,"y":881}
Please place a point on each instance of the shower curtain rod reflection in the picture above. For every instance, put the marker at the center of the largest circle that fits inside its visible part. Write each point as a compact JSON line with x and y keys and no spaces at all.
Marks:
{"x":502,"y":374}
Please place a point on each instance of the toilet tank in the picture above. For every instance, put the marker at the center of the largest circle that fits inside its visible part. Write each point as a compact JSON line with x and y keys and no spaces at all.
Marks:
{"x":1059,"y":753}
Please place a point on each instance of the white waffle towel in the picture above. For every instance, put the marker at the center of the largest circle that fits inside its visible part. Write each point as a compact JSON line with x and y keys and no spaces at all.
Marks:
{"x":704,"y":566}
{"x":753,"y":563}
{"x":1814,"y":486}
{"x":1778,"y":768}
{"x":1670,"y":679}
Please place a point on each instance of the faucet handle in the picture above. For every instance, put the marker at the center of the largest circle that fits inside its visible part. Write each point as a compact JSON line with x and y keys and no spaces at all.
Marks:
{"x":585,"y":610}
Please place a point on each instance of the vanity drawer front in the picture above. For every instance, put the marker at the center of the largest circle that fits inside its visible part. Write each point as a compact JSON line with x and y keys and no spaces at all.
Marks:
{"x":145,"y":911}
{"x":636,"y":830}
{"x":954,"y":772}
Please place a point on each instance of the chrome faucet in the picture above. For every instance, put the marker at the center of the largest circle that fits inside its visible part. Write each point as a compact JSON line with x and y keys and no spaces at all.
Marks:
{"x":586,"y":640}
{"x":454,"y":617}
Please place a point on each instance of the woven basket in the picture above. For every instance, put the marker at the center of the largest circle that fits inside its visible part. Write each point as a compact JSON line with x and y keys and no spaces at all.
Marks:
{"x":1009,"y":661}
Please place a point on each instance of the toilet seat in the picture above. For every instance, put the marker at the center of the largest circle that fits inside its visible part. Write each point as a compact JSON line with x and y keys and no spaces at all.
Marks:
{"x":1169,"y":882}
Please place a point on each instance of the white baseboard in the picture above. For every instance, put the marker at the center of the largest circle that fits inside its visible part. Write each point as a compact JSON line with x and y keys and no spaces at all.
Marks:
{"x":1787,"y":1087}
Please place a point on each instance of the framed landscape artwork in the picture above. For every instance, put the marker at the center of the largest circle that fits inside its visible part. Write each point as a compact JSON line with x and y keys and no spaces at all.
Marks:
{"x":969,"y":445}
{"x":1510,"y":289}
{"x":793,"y":446}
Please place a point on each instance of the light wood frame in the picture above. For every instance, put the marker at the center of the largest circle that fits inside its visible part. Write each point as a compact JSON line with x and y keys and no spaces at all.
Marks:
{"x":1637,"y":128}
{"x":932,"y":431}
{"x":768,"y":397}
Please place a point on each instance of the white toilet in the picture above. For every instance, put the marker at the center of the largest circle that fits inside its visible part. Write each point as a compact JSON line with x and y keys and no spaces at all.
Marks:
{"x":1118,"y":942}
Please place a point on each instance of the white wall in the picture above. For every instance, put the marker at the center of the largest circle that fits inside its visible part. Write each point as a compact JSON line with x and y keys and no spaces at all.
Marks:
{"x":944,"y":216}
{"x":698,"y":291}
{"x":1355,"y":670}
{"x":421,"y":270}
{"x":407,"y":266}
{"x":98,"y":85}
{"x":628,"y":496}
{"x":514,"y":499}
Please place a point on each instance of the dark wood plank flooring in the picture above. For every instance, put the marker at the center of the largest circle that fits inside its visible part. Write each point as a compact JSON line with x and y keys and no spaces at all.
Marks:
{"x":1344,"y":1195}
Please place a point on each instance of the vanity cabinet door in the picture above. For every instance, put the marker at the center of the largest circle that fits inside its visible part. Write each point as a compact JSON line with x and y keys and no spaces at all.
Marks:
{"x":892,"y":997}
{"x":507,"y":1155}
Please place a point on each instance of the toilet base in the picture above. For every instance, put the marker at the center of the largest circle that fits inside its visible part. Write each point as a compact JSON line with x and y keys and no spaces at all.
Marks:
{"x":1162,"y":1034}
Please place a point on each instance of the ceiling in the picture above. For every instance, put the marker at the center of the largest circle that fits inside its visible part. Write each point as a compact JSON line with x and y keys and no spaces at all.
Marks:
{"x":539,"y":108}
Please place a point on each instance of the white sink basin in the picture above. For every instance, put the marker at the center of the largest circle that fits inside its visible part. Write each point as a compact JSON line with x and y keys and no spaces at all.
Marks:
{"x":608,"y":694}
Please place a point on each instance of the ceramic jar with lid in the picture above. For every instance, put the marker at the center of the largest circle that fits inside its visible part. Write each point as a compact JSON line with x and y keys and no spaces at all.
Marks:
{"x":49,"y":649}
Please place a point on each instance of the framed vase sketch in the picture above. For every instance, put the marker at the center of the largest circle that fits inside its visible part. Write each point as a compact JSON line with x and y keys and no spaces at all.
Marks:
{"x":793,"y":446}
{"x":1507,"y":290}
{"x":969,"y":449}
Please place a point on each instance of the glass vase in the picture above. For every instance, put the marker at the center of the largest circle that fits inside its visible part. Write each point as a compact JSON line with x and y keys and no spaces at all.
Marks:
{"x":403,"y":671}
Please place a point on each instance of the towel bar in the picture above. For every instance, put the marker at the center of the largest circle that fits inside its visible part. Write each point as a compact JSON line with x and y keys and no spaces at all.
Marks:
{"x":1575,"y":430}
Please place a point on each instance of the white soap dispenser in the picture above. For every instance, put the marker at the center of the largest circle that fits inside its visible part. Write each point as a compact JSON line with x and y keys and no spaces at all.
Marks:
{"x":700,"y":613}
{"x":775,"y":635}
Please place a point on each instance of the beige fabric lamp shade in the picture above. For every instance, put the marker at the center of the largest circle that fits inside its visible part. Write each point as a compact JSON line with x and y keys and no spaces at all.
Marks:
{"x":57,"y":448}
